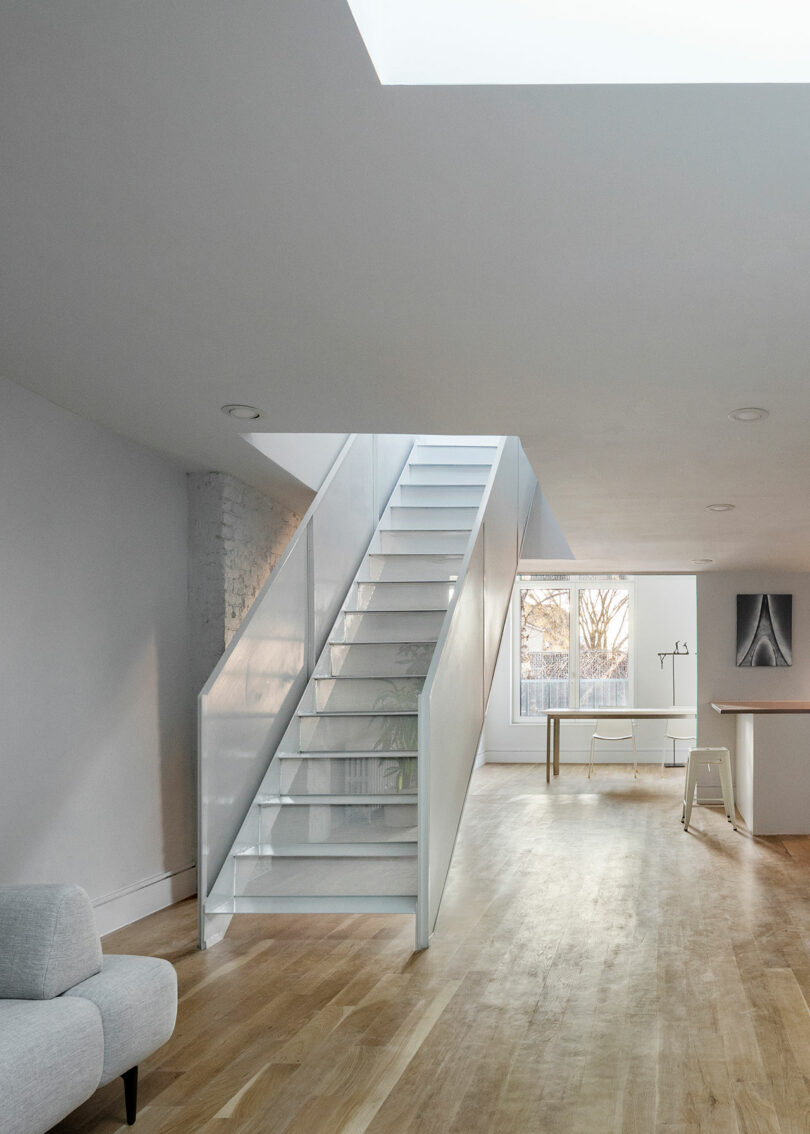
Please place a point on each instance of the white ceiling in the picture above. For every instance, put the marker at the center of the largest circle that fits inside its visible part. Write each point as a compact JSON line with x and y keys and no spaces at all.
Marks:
{"x":206,"y":203}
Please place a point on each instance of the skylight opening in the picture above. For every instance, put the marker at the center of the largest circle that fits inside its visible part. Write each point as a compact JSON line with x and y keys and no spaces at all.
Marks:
{"x":534,"y":42}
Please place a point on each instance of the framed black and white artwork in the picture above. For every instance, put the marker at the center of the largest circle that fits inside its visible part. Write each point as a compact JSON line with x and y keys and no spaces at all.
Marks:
{"x":764,"y":630}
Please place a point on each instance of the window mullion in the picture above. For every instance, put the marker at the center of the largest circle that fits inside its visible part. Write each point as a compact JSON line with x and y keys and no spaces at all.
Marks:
{"x":573,"y":648}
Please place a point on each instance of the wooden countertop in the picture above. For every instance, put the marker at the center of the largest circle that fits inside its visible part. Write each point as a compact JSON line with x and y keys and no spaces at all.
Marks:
{"x":761,"y":706}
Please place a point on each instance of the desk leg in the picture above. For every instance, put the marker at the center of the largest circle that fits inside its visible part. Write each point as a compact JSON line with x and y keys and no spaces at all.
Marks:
{"x":557,"y":724}
{"x":548,"y":750}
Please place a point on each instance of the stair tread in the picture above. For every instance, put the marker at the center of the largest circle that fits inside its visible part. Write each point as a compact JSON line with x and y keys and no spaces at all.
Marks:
{"x":420,"y":642}
{"x":402,"y":582}
{"x":359,"y":713}
{"x":371,"y":677}
{"x":381,"y":754}
{"x":299,"y":800}
{"x":374,"y":676}
{"x":312,"y":903}
{"x":397,"y":848}
{"x":401,"y":610}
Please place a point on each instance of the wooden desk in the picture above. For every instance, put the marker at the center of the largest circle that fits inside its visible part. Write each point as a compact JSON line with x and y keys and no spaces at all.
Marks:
{"x":772,"y":781}
{"x":626,"y":713}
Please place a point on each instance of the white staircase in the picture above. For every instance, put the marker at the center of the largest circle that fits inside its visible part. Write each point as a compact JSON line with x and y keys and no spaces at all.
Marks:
{"x":334,"y":824}
{"x":341,"y":820}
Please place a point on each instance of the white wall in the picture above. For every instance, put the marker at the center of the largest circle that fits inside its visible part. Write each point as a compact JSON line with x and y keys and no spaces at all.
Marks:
{"x":719,"y":679}
{"x":96,"y":709}
{"x":664,"y":611}
{"x":308,"y":456}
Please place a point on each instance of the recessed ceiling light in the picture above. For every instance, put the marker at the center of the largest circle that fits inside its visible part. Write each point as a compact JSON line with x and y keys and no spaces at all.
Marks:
{"x":702,"y":562}
{"x":748,"y":414}
{"x":720,"y":507}
{"x":243,"y":413}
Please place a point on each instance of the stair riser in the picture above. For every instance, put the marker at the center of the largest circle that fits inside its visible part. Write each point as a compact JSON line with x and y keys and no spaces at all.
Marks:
{"x":327,"y":876}
{"x":379,"y":694}
{"x":371,"y":775}
{"x":403,"y":596}
{"x":394,"y":659}
{"x":355,"y":823}
{"x":423,"y":568}
{"x":358,"y":734}
{"x":446,"y":474}
{"x":392,"y":626}
{"x":423,"y":543}
{"x":454,"y":454}
{"x":422,"y":496}
{"x":430,"y":518}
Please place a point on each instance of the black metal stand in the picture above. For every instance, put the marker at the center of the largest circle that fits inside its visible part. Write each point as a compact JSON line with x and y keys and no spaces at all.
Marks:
{"x":676,"y":653}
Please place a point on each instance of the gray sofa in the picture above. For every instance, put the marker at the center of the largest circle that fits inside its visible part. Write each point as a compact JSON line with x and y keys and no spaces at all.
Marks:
{"x":71,"y":1019}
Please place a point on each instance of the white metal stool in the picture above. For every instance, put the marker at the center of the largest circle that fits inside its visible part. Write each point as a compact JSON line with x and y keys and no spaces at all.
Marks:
{"x":721,"y":758}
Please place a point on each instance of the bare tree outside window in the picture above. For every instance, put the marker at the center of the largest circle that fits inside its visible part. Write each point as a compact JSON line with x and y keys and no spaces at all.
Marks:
{"x":604,"y":642}
{"x":545,"y":639}
{"x":600,"y":618}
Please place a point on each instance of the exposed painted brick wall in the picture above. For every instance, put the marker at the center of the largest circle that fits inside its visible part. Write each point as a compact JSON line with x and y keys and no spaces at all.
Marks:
{"x":236,"y":536}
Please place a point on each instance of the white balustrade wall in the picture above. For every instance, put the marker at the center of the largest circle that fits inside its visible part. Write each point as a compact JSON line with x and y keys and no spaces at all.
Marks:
{"x":452,"y":704}
{"x":253,"y":692}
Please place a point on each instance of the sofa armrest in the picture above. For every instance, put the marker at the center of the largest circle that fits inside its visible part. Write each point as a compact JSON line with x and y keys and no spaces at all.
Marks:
{"x":137,"y":999}
{"x":48,"y":940}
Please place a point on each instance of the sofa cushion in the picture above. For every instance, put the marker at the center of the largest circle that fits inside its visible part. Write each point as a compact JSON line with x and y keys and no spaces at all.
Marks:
{"x":51,"y":1056}
{"x":137,"y":999}
{"x":48,"y":940}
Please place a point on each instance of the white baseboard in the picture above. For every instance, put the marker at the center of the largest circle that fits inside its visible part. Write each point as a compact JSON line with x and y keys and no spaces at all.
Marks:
{"x":131,"y":903}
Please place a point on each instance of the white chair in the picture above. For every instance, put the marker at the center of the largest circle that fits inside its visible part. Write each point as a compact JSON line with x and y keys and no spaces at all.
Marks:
{"x":609,"y":728}
{"x":679,"y":729}
{"x":712,"y":757}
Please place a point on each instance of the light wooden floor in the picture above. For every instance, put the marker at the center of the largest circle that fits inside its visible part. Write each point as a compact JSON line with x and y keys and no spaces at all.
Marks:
{"x":594,"y":970}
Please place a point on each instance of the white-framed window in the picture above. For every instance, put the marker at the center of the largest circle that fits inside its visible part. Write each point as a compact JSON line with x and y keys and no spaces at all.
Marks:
{"x":573,"y":644}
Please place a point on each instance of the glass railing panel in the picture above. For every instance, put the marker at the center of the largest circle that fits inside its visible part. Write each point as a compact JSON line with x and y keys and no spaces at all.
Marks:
{"x":246,"y":708}
{"x":453,"y":701}
{"x":450,"y":725}
{"x":341,"y":530}
{"x":391,"y":451}
{"x":252,"y":696}
{"x":500,"y":551}
{"x":527,"y":486}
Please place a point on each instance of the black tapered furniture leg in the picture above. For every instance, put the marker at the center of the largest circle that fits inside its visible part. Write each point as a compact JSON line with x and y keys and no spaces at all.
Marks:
{"x":131,"y":1093}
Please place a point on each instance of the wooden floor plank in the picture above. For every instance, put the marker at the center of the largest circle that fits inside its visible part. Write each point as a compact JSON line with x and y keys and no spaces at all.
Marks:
{"x":594,"y":970}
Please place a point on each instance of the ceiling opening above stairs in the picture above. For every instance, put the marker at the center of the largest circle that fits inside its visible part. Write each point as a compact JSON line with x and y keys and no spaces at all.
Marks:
{"x":503,"y":42}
